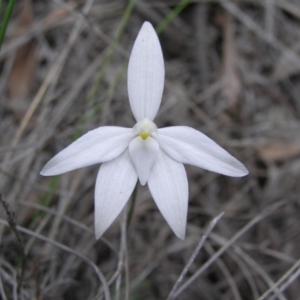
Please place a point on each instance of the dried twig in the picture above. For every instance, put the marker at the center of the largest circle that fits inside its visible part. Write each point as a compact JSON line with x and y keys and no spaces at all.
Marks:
{"x":211,"y":226}
{"x":69,"y":250}
{"x":14,"y":227}
{"x":267,"y":211}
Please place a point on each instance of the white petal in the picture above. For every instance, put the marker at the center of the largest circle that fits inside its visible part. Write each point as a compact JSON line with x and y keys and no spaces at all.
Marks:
{"x":143,"y":154}
{"x":169,"y":188}
{"x":146,"y":74}
{"x":190,"y":146}
{"x":99,"y":145}
{"x":115,"y":182}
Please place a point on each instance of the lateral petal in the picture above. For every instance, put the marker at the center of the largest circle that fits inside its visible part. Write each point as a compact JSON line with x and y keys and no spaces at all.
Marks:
{"x":169,"y":188}
{"x":96,"y":146}
{"x":190,"y":146}
{"x":115,"y":182}
{"x":146,"y":73}
{"x":143,"y":154}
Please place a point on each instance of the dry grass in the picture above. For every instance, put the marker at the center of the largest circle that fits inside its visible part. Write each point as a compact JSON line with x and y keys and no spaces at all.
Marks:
{"x":232,"y":71}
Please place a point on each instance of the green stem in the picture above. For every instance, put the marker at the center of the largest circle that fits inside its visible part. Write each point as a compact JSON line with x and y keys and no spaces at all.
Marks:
{"x":87,"y":116}
{"x":111,"y":49}
{"x":6,"y":19}
{"x":1,"y":3}
{"x":132,"y":205}
{"x":175,"y":12}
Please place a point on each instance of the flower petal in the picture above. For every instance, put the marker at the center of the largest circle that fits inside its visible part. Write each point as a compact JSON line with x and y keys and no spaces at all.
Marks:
{"x":115,"y":182}
{"x":146,"y":74}
{"x":169,"y":188}
{"x":143,"y":154}
{"x":99,"y":145}
{"x":190,"y":146}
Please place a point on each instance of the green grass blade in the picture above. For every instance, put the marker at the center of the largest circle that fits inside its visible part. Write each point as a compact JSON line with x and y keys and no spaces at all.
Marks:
{"x":91,"y":96}
{"x":6,"y":19}
{"x":175,"y":12}
{"x":1,"y":4}
{"x":111,"y":49}
{"x":47,"y":197}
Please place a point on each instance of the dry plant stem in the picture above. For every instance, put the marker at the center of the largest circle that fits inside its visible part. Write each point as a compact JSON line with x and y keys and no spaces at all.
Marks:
{"x":247,"y":21}
{"x":194,"y":255}
{"x":24,"y":169}
{"x":122,"y":251}
{"x":63,"y":108}
{"x":7,"y":67}
{"x":9,"y":274}
{"x":38,"y":229}
{"x":288,"y":278}
{"x":200,"y":20}
{"x":242,"y":258}
{"x":69,"y":220}
{"x":23,"y":255}
{"x":127,"y":278}
{"x":111,"y":50}
{"x":2,"y":292}
{"x":47,"y":131}
{"x":157,"y":259}
{"x":225,"y":271}
{"x":269,"y":18}
{"x":49,"y":22}
{"x":63,"y":206}
{"x":54,"y":20}
{"x":233,"y":86}
{"x":69,"y":250}
{"x":122,"y":261}
{"x":258,"y":269}
{"x":96,"y":29}
{"x":51,"y":75}
{"x":289,"y":7}
{"x":246,"y":272}
{"x":266,"y":212}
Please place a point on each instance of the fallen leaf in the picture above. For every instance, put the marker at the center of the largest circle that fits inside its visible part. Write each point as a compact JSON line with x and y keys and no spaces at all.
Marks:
{"x":21,"y":76}
{"x":279,"y":151}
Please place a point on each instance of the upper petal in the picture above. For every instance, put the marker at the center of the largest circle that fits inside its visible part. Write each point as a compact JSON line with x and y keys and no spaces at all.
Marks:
{"x":143,"y":154}
{"x":115,"y":182}
{"x":190,"y":146}
{"x":146,"y":74}
{"x":169,"y":188}
{"x":99,"y":145}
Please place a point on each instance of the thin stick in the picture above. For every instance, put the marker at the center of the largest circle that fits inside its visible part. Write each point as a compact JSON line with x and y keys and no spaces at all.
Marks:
{"x":122,"y":252}
{"x":67,"y":249}
{"x":267,"y":211}
{"x":227,"y":275}
{"x":70,"y":221}
{"x":247,"y":274}
{"x":2,"y":291}
{"x":270,"y":39}
{"x":259,"y":270}
{"x":283,"y":282}
{"x":194,"y":254}
{"x":13,"y":226}
{"x":56,"y":67}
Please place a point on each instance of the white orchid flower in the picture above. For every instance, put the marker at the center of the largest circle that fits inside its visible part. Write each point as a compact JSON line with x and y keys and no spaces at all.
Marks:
{"x":154,"y":156}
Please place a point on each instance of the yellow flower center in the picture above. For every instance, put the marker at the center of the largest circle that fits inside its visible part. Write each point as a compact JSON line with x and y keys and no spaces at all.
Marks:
{"x":144,"y":135}
{"x":144,"y":128}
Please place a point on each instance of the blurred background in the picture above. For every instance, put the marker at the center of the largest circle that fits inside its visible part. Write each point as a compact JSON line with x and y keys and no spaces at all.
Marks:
{"x":232,"y":72}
